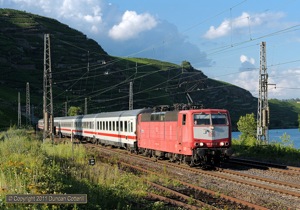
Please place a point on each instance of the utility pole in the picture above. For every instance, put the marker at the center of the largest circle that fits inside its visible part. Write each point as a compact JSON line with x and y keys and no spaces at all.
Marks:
{"x":130,"y":96}
{"x":19,"y":110}
{"x":66,"y":108}
{"x":85,"y":106}
{"x":263,"y":106}
{"x":48,"y":100}
{"x":28,"y":115}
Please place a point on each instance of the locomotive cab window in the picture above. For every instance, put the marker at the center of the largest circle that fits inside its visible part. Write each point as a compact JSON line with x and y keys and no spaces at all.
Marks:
{"x":183,"y":119}
{"x":219,"y":119}
{"x":201,"y":119}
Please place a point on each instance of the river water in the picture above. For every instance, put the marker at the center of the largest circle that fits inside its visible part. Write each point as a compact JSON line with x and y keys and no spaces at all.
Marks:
{"x":275,"y":134}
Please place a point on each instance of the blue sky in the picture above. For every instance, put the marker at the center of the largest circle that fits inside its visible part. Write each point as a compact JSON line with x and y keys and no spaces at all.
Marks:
{"x":221,"y":38}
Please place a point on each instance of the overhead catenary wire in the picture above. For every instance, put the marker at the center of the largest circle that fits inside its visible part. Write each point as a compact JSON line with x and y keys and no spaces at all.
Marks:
{"x":212,"y":53}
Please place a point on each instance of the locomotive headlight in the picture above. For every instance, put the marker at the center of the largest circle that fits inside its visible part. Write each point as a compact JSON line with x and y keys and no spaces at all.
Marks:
{"x":222,"y":144}
{"x":201,"y":144}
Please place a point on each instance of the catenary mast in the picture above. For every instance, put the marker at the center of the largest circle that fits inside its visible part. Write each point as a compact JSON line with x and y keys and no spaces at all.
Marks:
{"x":263,"y":106}
{"x":47,"y":99}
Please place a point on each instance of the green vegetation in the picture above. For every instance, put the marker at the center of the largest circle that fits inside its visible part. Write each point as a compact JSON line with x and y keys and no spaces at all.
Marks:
{"x":106,"y":82}
{"x":29,"y":166}
{"x":186,"y":65}
{"x":73,"y":111}
{"x":247,"y":127}
{"x":284,"y":113}
{"x":276,"y":152}
{"x":299,"y":120}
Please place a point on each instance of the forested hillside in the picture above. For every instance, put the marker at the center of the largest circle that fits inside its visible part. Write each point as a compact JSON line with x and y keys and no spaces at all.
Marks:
{"x":83,"y":72}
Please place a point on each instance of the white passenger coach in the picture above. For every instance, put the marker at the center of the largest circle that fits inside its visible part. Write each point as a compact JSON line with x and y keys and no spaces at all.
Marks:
{"x":113,"y":128}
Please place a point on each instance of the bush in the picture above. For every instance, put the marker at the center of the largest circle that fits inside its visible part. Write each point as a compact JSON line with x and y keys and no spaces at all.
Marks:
{"x":278,"y":152}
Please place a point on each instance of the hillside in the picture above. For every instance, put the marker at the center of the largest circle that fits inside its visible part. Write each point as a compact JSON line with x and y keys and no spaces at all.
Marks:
{"x":82,"y":70}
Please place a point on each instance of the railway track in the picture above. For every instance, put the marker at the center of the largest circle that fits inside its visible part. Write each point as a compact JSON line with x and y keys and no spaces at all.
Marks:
{"x":242,"y":178}
{"x":258,"y":164}
{"x":278,"y":190}
{"x":211,"y":198}
{"x":180,"y":169}
{"x":283,"y":169}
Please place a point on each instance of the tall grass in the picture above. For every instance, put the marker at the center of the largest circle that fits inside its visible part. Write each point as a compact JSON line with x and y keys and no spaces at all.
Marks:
{"x":29,"y":166}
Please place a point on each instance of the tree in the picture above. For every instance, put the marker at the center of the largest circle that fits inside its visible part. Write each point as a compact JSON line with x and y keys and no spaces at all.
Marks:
{"x":247,"y":127}
{"x":186,"y":65}
{"x":74,"y":110}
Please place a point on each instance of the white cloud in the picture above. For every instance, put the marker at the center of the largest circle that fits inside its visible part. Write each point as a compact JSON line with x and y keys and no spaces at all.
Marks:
{"x":131,"y":25}
{"x":287,"y":83}
{"x":244,"y":21}
{"x":86,"y":13}
{"x":247,"y":80}
{"x":247,"y":63}
{"x":163,"y":42}
{"x":107,"y":25}
{"x":244,"y":58}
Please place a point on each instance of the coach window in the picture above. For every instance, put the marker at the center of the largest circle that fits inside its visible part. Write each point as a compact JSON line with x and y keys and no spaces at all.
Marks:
{"x":131,"y":126}
{"x":183,"y":119}
{"x":121,"y":125}
{"x":117,"y":126}
{"x":113,"y":124}
{"x":125,"y":126}
{"x":106,"y":126}
{"x":110,"y":125}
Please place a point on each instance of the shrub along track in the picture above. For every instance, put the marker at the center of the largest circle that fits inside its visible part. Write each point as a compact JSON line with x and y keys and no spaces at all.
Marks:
{"x":163,"y":169}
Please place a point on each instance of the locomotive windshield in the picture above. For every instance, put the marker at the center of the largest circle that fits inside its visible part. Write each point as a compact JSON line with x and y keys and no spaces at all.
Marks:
{"x":201,"y":119}
{"x":210,"y":119}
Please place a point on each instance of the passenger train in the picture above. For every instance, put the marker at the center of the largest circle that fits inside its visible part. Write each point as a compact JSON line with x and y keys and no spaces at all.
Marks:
{"x":198,"y":137}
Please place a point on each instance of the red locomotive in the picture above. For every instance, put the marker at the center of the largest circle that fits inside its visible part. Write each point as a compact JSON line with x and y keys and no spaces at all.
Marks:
{"x":197,"y":137}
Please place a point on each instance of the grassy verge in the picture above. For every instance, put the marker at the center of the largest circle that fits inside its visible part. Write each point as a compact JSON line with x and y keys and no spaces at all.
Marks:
{"x":29,"y":166}
{"x":276,"y":152}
